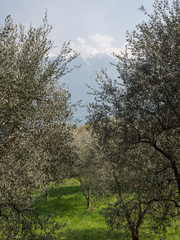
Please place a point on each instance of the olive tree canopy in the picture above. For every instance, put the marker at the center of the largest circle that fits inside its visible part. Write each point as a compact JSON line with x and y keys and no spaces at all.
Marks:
{"x":137,"y":116}
{"x":146,"y":96}
{"x":35,"y":135}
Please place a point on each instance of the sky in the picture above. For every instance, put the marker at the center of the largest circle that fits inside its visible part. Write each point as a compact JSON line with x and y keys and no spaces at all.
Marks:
{"x":92,"y":26}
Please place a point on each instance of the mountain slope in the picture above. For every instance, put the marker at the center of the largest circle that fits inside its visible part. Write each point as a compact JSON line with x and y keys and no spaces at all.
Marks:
{"x":76,"y":81}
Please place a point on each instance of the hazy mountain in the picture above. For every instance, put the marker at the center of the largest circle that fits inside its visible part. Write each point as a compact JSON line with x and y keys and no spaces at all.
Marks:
{"x":77,"y":79}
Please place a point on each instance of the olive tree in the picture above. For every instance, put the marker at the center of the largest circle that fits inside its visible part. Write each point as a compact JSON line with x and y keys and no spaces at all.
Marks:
{"x":35,"y":109}
{"x":87,"y":164}
{"x":130,"y":176}
{"x":144,"y":101}
{"x":146,"y":96}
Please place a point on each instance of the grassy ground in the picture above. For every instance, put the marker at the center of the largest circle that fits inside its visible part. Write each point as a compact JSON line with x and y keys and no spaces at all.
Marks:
{"x":67,"y":204}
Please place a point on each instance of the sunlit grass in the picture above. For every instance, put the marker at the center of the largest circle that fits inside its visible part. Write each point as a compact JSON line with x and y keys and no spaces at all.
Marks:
{"x":67,"y":204}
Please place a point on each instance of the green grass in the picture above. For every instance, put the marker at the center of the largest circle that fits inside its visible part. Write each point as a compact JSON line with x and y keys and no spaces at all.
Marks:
{"x":71,"y":208}
{"x":67,"y":204}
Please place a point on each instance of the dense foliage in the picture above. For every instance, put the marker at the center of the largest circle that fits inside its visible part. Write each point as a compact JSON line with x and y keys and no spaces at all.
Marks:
{"x":35,"y":135}
{"x":136,"y":119}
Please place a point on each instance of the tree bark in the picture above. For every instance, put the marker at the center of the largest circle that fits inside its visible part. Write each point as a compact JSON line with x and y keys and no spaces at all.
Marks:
{"x":48,"y":191}
{"x":89,"y":198}
{"x":173,"y":165}
{"x":176,"y":173}
{"x":135,"y":235}
{"x":47,"y":195}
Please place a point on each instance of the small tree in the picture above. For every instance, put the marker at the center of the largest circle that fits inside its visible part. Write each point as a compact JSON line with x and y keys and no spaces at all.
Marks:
{"x":87,"y":162}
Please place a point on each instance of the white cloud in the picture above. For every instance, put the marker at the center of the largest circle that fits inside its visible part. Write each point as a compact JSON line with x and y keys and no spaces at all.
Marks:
{"x":96,"y":44}
{"x":51,"y":55}
{"x":81,"y":40}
